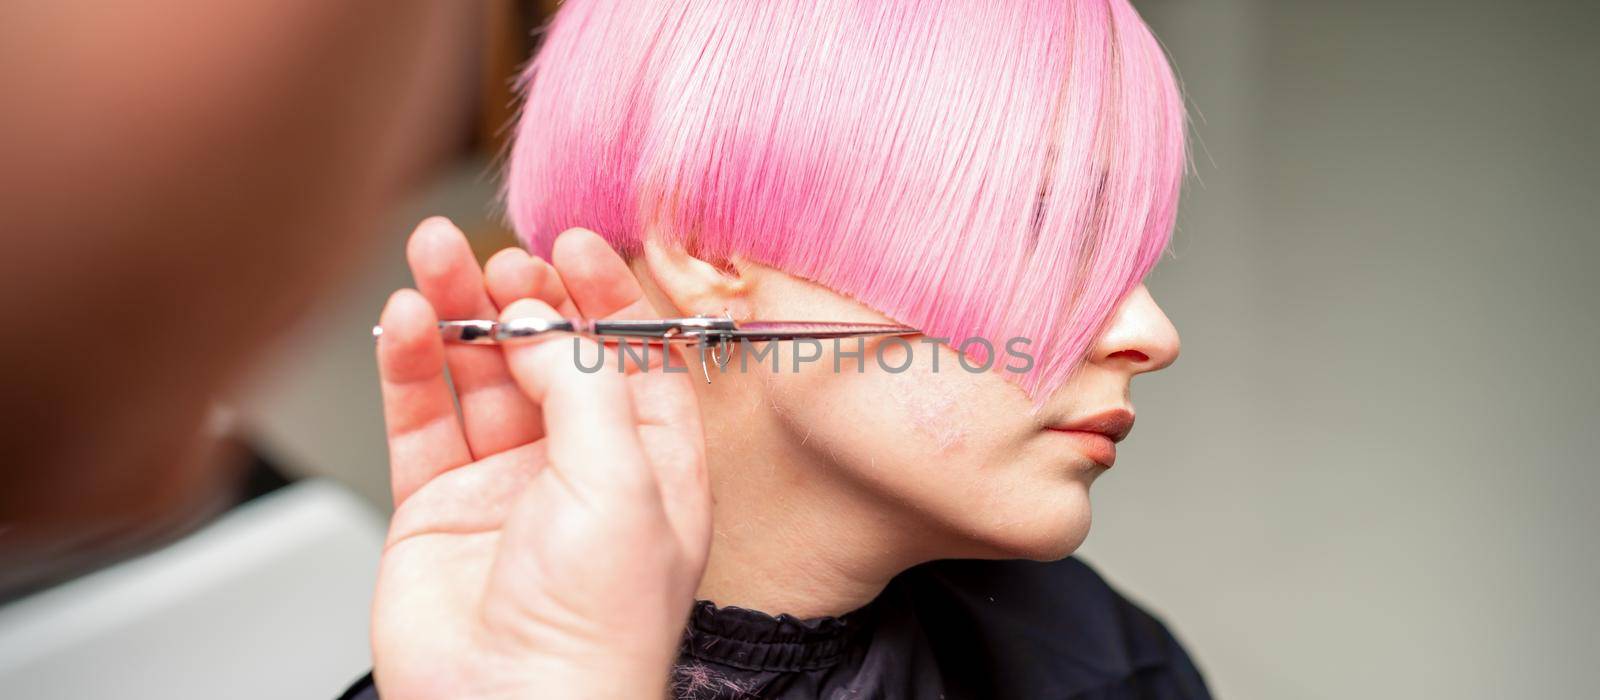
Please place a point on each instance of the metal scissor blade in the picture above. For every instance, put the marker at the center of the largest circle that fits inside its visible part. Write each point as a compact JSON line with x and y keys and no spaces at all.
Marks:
{"x":790,"y":330}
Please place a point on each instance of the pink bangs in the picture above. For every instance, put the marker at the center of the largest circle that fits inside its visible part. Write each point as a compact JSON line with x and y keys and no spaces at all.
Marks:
{"x":973,"y":169}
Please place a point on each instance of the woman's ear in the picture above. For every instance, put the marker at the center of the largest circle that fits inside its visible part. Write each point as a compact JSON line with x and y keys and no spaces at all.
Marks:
{"x":693,"y":285}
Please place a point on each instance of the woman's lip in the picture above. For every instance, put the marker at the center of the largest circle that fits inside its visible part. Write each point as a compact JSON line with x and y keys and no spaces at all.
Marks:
{"x":1097,"y":435}
{"x":1114,"y":424}
{"x":1094,"y":446}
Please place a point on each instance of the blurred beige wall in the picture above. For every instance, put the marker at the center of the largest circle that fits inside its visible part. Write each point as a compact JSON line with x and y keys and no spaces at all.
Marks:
{"x":1371,"y":473}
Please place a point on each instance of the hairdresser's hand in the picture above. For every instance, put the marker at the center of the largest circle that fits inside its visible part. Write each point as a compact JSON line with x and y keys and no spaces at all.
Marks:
{"x":547,"y":542}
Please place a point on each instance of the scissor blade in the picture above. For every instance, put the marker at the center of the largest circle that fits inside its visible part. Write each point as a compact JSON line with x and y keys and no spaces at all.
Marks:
{"x":789,"y":330}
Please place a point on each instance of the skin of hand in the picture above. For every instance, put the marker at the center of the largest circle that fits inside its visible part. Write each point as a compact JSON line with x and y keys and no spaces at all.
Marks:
{"x":547,"y":538}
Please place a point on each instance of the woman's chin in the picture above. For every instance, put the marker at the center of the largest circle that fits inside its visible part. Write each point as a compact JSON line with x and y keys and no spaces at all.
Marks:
{"x":1065,"y":540}
{"x":1043,"y":531}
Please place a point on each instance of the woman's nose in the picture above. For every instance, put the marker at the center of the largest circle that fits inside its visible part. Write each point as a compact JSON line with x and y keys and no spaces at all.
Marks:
{"x":1140,"y":338}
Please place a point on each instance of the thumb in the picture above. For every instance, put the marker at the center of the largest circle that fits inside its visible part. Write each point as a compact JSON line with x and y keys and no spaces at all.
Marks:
{"x":590,"y":425}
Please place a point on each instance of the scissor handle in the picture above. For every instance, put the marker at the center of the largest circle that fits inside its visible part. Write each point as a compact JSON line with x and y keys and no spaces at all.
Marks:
{"x":484,"y":332}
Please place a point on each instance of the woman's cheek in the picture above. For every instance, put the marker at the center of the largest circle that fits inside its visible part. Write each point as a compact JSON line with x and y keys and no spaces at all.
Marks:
{"x":936,"y":404}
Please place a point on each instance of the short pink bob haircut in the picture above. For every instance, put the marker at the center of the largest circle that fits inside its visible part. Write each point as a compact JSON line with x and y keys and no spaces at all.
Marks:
{"x":972,"y":168}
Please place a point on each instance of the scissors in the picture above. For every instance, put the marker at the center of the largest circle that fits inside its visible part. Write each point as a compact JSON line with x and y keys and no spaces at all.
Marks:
{"x":715,"y":332}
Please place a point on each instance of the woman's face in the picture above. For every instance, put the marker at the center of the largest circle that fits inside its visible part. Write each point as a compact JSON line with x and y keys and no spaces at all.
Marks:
{"x":961,"y":452}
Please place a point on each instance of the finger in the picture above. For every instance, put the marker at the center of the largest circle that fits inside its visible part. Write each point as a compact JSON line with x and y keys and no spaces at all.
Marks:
{"x":419,"y":412}
{"x":509,"y":275}
{"x":590,"y":430}
{"x":513,"y":274}
{"x":602,"y":286}
{"x":495,"y":413}
{"x":670,"y":430}
{"x":598,"y":279}
{"x":594,"y":509}
{"x":552,"y":290}
{"x":665,"y":403}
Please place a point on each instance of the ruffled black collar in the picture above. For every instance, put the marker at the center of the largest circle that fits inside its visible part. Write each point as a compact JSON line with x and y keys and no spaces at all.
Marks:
{"x":990,"y":630}
{"x":757,"y":641}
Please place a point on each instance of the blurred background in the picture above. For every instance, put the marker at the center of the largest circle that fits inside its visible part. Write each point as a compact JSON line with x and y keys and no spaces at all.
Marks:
{"x":1371,"y":474}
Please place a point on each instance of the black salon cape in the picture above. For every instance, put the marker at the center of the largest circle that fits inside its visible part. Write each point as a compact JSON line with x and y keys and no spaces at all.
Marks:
{"x":949,"y":629}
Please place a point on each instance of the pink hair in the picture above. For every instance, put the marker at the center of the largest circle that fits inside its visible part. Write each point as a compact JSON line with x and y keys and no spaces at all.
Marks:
{"x":971,"y":168}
